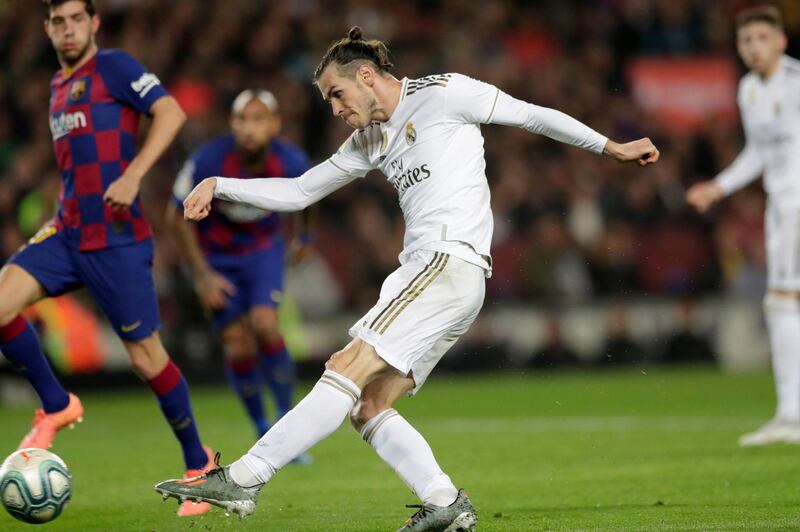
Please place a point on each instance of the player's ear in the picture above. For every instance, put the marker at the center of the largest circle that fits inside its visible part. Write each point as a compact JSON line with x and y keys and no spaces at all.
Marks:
{"x":95,"y":23}
{"x":366,"y":75}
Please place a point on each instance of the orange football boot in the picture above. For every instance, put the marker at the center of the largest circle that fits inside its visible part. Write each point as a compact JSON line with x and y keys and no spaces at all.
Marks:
{"x":45,"y":426}
{"x":189,"y":508}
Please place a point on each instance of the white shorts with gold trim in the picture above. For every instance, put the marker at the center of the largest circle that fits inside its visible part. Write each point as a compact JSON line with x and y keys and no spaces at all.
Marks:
{"x":424,"y":307}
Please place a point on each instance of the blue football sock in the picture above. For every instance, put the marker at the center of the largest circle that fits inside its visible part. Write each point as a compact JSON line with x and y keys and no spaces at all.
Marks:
{"x":20,"y":345}
{"x":278,"y":370}
{"x":173,"y":397}
{"x":243,"y":377}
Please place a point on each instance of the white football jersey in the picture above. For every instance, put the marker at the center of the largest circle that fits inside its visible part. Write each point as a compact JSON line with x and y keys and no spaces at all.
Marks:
{"x":431,"y":151}
{"x":770,"y":111}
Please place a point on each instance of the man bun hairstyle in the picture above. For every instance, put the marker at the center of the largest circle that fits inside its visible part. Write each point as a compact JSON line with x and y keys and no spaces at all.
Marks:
{"x":50,"y":4}
{"x":355,"y":34}
{"x":352,"y":51}
{"x":768,"y":14}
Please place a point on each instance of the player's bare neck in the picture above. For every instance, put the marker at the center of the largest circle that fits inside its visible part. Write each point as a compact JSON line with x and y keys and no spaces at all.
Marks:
{"x":387,"y":96}
{"x":67,"y":68}
{"x":767,"y":73}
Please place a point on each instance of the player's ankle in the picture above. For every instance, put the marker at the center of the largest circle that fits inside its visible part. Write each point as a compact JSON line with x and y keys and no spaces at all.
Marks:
{"x":242,"y":476}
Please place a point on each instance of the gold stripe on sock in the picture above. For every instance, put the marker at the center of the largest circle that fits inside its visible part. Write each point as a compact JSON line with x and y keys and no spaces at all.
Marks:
{"x":366,"y":433}
{"x":343,"y":381}
{"x":335,"y":385}
{"x":379,"y":424}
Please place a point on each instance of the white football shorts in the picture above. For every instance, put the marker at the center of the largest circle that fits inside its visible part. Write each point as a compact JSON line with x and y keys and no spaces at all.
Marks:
{"x":782,"y":237}
{"x":424,"y":307}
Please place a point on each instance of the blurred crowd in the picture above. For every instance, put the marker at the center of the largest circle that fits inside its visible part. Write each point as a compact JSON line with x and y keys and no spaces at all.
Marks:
{"x":568,"y":225}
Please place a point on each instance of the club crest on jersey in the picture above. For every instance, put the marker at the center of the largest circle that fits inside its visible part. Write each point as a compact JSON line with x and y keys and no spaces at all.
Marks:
{"x":777,"y":108}
{"x":77,"y":90}
{"x":411,"y":134}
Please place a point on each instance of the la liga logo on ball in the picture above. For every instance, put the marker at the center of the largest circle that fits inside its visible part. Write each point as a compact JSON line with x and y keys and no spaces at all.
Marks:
{"x":35,"y":485}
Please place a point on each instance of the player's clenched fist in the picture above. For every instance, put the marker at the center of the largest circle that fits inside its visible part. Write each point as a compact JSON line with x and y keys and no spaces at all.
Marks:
{"x":643,"y":151}
{"x":122,"y":192}
{"x":197,"y":204}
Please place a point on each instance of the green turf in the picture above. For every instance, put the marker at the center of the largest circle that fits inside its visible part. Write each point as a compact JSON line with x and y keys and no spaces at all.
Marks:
{"x":611,"y":450}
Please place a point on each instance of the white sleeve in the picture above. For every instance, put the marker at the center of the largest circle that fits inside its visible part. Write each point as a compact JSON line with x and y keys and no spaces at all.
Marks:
{"x":480,"y":103}
{"x":283,"y":194}
{"x":742,"y":171}
{"x":351,"y":156}
{"x":748,"y":165}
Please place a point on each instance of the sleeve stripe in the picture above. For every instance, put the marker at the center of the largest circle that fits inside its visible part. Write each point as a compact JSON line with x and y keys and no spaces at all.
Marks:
{"x":345,"y":172}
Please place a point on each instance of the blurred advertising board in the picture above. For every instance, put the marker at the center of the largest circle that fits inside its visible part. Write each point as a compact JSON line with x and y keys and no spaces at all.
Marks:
{"x":685,"y":94}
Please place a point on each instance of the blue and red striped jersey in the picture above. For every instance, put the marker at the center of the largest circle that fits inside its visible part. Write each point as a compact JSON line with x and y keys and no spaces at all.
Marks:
{"x":94,"y":119}
{"x":234,"y":228}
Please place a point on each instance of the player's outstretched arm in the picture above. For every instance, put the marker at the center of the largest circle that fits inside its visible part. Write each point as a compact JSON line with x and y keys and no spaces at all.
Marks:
{"x":271,"y":193}
{"x":477,"y":102}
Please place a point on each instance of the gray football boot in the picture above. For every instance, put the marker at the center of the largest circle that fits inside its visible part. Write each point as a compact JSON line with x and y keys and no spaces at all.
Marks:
{"x":216,"y":487}
{"x":460,"y":516}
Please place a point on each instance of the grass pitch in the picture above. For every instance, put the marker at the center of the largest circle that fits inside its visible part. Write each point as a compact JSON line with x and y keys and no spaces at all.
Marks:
{"x":610,"y":450}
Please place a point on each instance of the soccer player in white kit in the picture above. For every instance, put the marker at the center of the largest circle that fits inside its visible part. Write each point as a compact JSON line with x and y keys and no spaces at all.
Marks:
{"x":424,"y":135}
{"x":769,"y":101}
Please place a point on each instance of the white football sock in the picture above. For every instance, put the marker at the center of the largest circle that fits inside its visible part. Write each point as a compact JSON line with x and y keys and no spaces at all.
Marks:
{"x":314,"y":418}
{"x":407,"y":452}
{"x":783,"y":320}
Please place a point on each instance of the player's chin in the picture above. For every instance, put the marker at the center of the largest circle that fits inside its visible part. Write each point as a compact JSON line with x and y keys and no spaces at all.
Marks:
{"x":71,"y":54}
{"x":354,"y":121}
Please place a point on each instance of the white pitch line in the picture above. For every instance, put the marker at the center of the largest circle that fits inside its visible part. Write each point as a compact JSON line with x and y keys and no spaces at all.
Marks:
{"x":591,"y":424}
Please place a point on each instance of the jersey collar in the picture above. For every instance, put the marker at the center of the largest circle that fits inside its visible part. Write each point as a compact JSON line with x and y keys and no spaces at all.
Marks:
{"x":62,"y":76}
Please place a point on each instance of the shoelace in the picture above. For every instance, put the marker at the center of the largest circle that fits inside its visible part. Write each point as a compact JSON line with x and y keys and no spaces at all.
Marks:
{"x":420,"y":514}
{"x":219,"y":471}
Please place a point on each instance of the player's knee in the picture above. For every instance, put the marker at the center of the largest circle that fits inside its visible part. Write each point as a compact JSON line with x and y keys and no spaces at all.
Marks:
{"x":239,"y":351}
{"x":147,"y":357}
{"x":267,"y":333}
{"x":8,"y":311}
{"x":7,"y":315}
{"x":141,"y":362}
{"x":364,"y":410}
{"x":339,"y":361}
{"x":357,"y":420}
{"x":358,"y":362}
{"x":265,"y":326}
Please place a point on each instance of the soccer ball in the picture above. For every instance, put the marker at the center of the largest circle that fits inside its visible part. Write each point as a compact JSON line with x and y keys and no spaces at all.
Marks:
{"x":35,"y":485}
